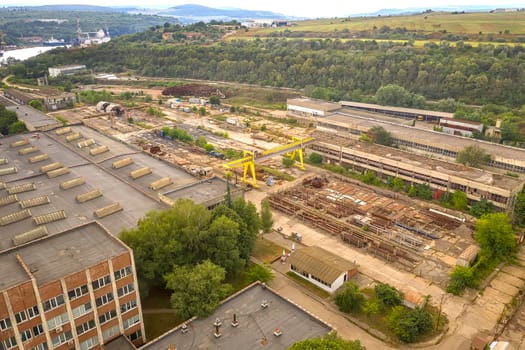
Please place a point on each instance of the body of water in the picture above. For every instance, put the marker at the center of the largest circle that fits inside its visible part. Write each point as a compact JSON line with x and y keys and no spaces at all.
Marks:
{"x":24,"y":54}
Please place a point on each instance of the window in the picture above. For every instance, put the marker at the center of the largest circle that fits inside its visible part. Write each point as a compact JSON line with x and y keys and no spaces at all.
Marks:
{"x":135,"y":335}
{"x":128,"y":288}
{"x":41,"y":346}
{"x":26,"y":335}
{"x":5,"y":324}
{"x":122,"y":272}
{"x":81,"y":310}
{"x":101,"y":282}
{"x":10,"y":343}
{"x":88,"y":344}
{"x":128,"y":306}
{"x":57,"y":321}
{"x":107,"y":316}
{"x":86,"y":326}
{"x":61,"y":338}
{"x":37,"y":330}
{"x":20,"y":316}
{"x":33,"y":312}
{"x":110,"y":333}
{"x":53,"y":302}
{"x":104,"y":299}
{"x":77,"y":292}
{"x":131,"y":321}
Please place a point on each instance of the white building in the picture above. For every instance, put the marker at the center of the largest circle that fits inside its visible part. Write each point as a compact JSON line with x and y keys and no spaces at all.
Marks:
{"x":311,"y":107}
{"x":66,"y":70}
{"x":322,"y":268}
{"x":460,"y":127}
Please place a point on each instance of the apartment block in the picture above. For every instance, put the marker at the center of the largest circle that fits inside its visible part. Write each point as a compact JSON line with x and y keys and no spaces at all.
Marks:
{"x":73,"y":290}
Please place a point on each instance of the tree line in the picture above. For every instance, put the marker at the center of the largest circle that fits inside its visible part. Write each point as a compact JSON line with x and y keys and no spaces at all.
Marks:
{"x":347,"y":69}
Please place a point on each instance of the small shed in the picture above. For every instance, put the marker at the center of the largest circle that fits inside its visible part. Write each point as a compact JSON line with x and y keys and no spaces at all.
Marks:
{"x":322,"y":268}
{"x":413,"y":299}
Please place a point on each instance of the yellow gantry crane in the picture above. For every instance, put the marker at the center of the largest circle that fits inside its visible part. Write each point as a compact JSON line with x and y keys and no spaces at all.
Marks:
{"x":291,"y":150}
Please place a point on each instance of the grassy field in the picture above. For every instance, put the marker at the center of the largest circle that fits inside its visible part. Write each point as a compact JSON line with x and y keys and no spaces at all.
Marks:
{"x":308,"y":285}
{"x":511,"y":25}
{"x":266,"y":251}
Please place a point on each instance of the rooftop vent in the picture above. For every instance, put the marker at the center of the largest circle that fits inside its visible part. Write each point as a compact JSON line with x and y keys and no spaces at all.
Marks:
{"x":157,"y":185}
{"x":38,"y":158}
{"x":8,"y":200}
{"x":98,"y":150}
{"x":63,"y":131}
{"x":85,"y":143}
{"x":19,"y":143}
{"x":58,"y":172}
{"x":135,"y":174}
{"x":122,"y":163}
{"x":7,"y":171}
{"x":28,"y":150}
{"x":14,"y":217}
{"x":31,"y":235}
{"x":34,"y":202}
{"x":84,"y":197}
{"x":73,"y":137}
{"x":49,"y":217}
{"x":108,"y":210}
{"x":50,"y":166}
{"x":66,"y":185}
{"x":30,"y":186}
{"x":3,"y":161}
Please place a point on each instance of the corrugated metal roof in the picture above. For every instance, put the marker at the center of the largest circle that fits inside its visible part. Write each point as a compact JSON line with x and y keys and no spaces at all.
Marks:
{"x":320,"y":263}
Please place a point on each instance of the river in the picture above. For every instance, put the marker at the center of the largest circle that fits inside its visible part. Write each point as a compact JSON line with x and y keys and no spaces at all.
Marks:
{"x":24,"y":54}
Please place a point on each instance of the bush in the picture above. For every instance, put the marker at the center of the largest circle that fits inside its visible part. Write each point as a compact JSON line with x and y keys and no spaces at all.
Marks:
{"x":315,"y":158}
{"x":349,"y":299}
{"x":408,"y":324}
{"x":388,"y":295}
{"x":461,"y":278}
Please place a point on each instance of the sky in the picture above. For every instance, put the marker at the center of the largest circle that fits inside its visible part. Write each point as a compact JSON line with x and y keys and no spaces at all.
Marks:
{"x":303,"y":8}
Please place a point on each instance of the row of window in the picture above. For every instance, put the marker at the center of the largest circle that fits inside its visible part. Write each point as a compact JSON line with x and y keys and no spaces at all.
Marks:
{"x":8,"y":343}
{"x":86,"y":326}
{"x":62,"y":338}
{"x":28,"y":333}
{"x":128,"y":288}
{"x":22,"y":316}
{"x":104,"y":299}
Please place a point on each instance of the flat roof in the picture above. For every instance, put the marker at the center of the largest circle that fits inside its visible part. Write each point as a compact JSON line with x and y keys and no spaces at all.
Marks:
{"x":422,"y":136}
{"x":59,"y":255}
{"x":201,"y":191}
{"x":34,"y":119}
{"x":116,"y":185}
{"x":413,"y":111}
{"x":313,"y":104}
{"x":434,"y":164}
{"x":255,"y":323}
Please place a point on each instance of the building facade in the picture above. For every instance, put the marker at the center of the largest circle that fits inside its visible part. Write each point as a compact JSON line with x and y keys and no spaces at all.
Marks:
{"x":73,"y":290}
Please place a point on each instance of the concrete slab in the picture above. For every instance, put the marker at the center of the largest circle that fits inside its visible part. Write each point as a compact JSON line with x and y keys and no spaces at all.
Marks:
{"x":507,"y":278}
{"x":516,"y":271}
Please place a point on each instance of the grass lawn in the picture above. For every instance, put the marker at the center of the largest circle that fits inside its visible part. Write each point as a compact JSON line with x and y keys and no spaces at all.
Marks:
{"x":266,"y":251}
{"x":309,"y":286}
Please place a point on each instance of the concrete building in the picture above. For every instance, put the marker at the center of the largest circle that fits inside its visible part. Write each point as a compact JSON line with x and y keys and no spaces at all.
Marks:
{"x":322,"y":268}
{"x":66,"y":70}
{"x":359,"y":156}
{"x":349,"y":124}
{"x":51,"y":99}
{"x":77,"y":289}
{"x":308,"y":107}
{"x":254,"y":318}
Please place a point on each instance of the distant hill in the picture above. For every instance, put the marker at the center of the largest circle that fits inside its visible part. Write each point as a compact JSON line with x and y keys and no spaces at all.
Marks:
{"x":413,"y":10}
{"x":192,"y":13}
{"x":83,"y":8}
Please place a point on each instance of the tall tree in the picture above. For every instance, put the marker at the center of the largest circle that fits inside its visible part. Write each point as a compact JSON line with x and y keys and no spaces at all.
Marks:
{"x":349,"y":299}
{"x":328,"y":342}
{"x":473,"y":156}
{"x":197,"y":290}
{"x":266,"y":216}
{"x":495,"y":236}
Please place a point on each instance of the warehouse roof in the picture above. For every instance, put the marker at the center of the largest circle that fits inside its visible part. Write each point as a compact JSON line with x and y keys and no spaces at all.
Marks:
{"x":401,"y":110}
{"x":256,"y":324}
{"x":313,"y":104}
{"x":34,"y":119}
{"x":320,"y":263}
{"x":59,"y":255}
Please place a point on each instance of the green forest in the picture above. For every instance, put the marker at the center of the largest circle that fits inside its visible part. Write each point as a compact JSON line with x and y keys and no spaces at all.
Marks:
{"x":453,"y":78}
